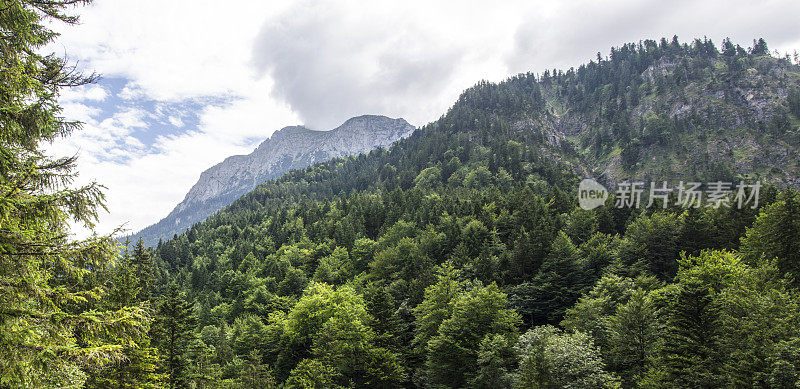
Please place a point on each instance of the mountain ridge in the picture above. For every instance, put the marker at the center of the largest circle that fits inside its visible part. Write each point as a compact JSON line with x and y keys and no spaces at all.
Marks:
{"x":292,"y":147}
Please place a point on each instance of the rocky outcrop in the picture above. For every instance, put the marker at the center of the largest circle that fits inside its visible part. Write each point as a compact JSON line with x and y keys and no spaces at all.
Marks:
{"x":290,"y":148}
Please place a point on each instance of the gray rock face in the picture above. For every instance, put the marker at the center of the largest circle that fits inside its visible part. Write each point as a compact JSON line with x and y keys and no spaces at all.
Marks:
{"x":290,"y":148}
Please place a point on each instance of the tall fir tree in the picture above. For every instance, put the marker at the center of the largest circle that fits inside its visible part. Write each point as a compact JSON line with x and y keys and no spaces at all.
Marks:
{"x":691,"y":355}
{"x":172,"y":331}
{"x":51,"y":328}
{"x":142,"y":263}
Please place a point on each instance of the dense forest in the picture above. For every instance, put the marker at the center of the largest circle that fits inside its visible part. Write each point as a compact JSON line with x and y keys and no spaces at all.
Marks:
{"x":456,"y":258}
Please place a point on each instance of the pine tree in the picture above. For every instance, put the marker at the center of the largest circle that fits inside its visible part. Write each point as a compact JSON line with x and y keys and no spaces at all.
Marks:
{"x":137,"y":369}
{"x":50,"y":326}
{"x":380,"y":306}
{"x":692,"y":352}
{"x":256,"y":374}
{"x":172,"y":331}
{"x":137,"y":366}
{"x":142,"y":263}
{"x":124,"y":287}
{"x":759,"y":47}
{"x":555,"y":288}
{"x":634,"y":330}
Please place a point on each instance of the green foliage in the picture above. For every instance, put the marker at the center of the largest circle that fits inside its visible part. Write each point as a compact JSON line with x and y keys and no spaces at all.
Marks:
{"x":313,"y":374}
{"x":419,"y":265}
{"x":451,"y":355}
{"x":594,"y":311}
{"x":634,"y":329}
{"x":496,"y":360}
{"x":330,"y":329}
{"x":784,"y":367}
{"x":172,"y":331}
{"x":551,"y":358}
{"x":54,"y":328}
{"x":652,"y":244}
{"x":692,"y":354}
{"x":555,"y":288}
{"x":255,"y":374}
{"x":776,"y":235}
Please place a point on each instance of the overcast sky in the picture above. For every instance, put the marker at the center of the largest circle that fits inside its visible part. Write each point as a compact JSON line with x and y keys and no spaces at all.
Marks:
{"x":190,"y":82}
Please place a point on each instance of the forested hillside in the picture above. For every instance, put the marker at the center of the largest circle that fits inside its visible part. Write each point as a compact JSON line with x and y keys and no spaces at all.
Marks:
{"x":459,"y":257}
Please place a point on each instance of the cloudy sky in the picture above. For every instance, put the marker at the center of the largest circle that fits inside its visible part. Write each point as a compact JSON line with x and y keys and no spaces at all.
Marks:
{"x":187,"y":83}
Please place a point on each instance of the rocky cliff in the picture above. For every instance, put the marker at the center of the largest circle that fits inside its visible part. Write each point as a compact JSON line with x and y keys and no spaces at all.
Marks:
{"x":290,"y":148}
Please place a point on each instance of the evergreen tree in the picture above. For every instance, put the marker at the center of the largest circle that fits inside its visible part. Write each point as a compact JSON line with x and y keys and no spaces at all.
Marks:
{"x":759,"y":47}
{"x":691,"y":355}
{"x":555,"y":288}
{"x":137,"y":367}
{"x":51,"y":330}
{"x":634,"y":330}
{"x":652,"y":244}
{"x":255,"y":374}
{"x":172,"y":331}
{"x":776,"y":236}
{"x":143,"y":270}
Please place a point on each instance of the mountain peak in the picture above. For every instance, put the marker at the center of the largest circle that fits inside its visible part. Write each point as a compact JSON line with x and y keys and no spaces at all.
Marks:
{"x":292,"y":147}
{"x":370,"y":119}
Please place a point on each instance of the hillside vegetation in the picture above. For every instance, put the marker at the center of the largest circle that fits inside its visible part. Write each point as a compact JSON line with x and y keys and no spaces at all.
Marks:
{"x":456,"y":258}
{"x":459,"y":257}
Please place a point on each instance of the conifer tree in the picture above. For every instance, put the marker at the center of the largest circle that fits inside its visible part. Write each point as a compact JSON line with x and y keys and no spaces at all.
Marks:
{"x":51,"y":330}
{"x":136,"y":367}
{"x":776,"y":236}
{"x":143,"y":270}
{"x":692,"y":352}
{"x":172,"y":331}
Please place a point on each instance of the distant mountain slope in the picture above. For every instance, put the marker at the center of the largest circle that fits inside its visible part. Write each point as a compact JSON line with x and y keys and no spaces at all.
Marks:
{"x":294,"y":147}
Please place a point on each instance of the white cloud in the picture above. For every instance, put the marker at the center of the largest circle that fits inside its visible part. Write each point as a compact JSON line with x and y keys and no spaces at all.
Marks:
{"x":332,"y":61}
{"x":83,"y":93}
{"x":170,"y":49}
{"x":132,"y":91}
{"x":130,"y":118}
{"x":79,"y":111}
{"x":175,"y":121}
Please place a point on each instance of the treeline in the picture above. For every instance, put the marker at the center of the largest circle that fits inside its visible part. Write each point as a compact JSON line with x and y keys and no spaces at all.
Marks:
{"x":450,"y":288}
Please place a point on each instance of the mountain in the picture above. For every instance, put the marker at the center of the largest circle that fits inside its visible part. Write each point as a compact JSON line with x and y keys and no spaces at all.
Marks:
{"x":459,"y":257}
{"x":290,"y":148}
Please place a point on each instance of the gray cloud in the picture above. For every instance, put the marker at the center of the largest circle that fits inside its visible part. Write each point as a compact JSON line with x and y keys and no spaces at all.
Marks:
{"x":573,"y":32}
{"x":330,"y":66}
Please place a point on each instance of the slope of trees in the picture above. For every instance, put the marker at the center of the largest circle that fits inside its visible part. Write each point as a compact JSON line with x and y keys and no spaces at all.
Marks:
{"x":456,"y":258}
{"x":460,"y":259}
